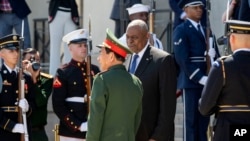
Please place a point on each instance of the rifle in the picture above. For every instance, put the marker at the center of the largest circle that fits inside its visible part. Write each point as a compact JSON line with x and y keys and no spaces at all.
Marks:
{"x":89,"y":78}
{"x":209,"y":60}
{"x":209,"y":37}
{"x":21,"y":82}
{"x":227,"y":49}
{"x":152,"y":16}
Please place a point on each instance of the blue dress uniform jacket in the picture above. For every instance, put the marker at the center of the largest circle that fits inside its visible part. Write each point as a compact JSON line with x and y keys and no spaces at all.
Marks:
{"x":70,"y":81}
{"x":9,"y":99}
{"x":189,"y":50}
{"x":235,"y":91}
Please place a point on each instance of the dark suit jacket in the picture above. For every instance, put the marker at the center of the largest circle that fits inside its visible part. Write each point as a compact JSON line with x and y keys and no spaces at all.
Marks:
{"x":157,"y":72}
{"x":115,"y":13}
{"x":20,"y":8}
{"x":189,"y":50}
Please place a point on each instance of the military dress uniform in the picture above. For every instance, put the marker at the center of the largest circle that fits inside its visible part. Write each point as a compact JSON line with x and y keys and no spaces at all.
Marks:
{"x":8,"y":103}
{"x":43,"y":89}
{"x":227,"y":90}
{"x":116,"y":98}
{"x":9,"y":94}
{"x":190,"y":54}
{"x":70,"y":99}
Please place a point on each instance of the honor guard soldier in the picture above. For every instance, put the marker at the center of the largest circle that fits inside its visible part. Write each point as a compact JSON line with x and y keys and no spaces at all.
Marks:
{"x":69,"y":96}
{"x":43,"y":88}
{"x":190,"y":50}
{"x":10,"y":128}
{"x":116,"y":99}
{"x":228,"y":86}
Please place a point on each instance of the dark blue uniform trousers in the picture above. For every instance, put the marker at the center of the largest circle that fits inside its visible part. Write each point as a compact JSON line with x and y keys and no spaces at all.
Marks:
{"x":195,"y":125}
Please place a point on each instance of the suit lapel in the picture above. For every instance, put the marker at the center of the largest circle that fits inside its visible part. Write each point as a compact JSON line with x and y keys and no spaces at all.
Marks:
{"x":146,"y":59}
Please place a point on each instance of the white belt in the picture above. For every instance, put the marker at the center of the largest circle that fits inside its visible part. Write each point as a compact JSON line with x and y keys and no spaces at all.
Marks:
{"x":75,"y":99}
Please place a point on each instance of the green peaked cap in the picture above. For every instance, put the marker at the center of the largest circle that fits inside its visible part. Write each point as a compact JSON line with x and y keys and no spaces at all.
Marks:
{"x":114,"y":44}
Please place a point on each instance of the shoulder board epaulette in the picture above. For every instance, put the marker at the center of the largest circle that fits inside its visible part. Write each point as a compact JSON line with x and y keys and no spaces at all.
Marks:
{"x":100,"y":73}
{"x":46,"y":75}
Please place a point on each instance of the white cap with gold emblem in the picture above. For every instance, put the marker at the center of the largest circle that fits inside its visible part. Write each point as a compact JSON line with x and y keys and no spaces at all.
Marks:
{"x":76,"y":37}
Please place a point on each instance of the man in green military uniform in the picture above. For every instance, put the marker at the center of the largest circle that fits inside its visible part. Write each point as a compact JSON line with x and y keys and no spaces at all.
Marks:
{"x":116,"y":99}
{"x":43,"y":88}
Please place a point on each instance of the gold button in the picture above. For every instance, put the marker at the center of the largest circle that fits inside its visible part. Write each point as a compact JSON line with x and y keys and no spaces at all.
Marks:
{"x":75,"y":126}
{"x":78,"y":64}
{"x":67,"y":118}
{"x":72,"y":123}
{"x":16,"y":91}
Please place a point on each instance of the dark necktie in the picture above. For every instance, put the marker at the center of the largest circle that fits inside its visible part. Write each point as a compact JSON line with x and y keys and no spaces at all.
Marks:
{"x":13,"y":75}
{"x":199,"y":30}
{"x":133,"y":65}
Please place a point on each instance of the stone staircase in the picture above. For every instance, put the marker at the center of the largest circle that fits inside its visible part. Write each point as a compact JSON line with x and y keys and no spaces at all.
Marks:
{"x":179,"y":120}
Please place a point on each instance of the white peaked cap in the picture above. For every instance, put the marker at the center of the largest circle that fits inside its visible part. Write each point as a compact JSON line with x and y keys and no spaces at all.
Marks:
{"x":76,"y":36}
{"x":138,"y":8}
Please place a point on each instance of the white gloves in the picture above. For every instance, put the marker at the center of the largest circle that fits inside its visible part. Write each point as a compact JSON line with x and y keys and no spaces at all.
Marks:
{"x":203,"y":80}
{"x":84,"y":126}
{"x":211,"y":52}
{"x":18,"y":128}
{"x":23,"y":104}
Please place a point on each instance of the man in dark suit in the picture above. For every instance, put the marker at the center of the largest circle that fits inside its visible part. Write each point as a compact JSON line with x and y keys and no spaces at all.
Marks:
{"x":120,"y":16}
{"x":190,"y":54}
{"x":12,"y":13}
{"x":156,"y":69}
{"x":227,"y":90}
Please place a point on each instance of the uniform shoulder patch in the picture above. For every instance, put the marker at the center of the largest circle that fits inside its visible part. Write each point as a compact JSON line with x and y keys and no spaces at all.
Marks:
{"x":100,"y":73}
{"x":57,"y":83}
{"x":46,"y":75}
